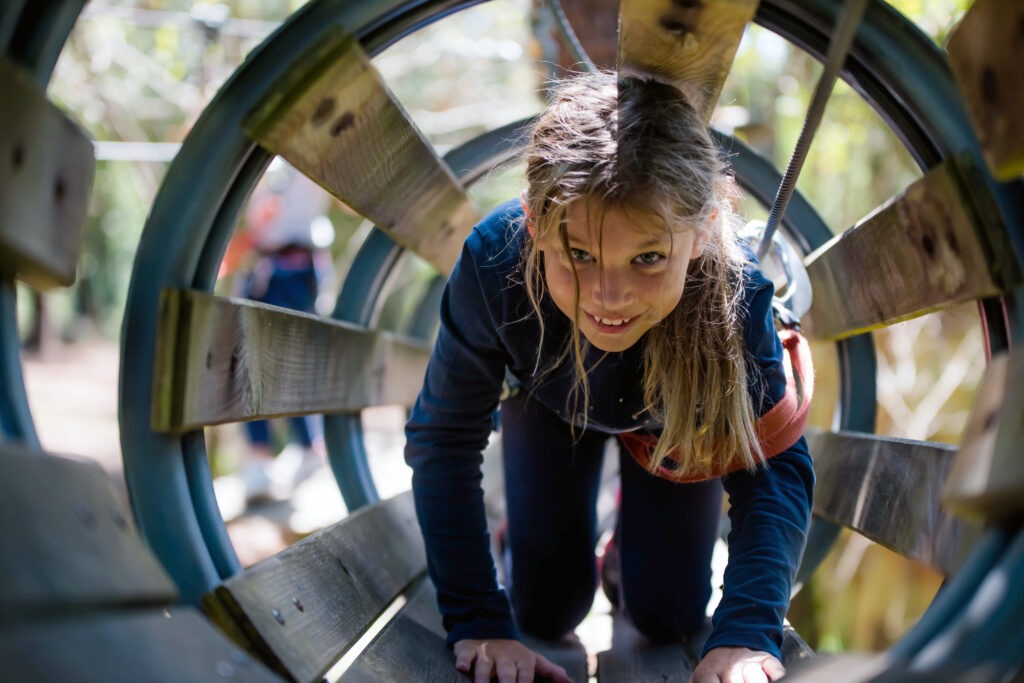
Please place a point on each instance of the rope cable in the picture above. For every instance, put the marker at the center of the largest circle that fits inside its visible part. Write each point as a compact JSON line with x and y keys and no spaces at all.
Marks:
{"x":570,"y":36}
{"x":847,"y":24}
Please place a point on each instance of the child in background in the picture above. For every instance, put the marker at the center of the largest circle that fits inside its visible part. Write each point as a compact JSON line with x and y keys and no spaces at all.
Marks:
{"x":617,"y":292}
{"x":286,"y":231}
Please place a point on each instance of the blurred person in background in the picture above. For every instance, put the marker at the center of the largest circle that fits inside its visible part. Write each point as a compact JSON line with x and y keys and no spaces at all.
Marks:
{"x":281,"y":253}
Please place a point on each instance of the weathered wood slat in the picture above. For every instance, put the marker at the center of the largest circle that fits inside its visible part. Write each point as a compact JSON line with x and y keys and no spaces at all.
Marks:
{"x":986,"y":51}
{"x":935,"y":245}
{"x":155,"y":646}
{"x":67,"y":543}
{"x":888,"y":490}
{"x":225,"y":360}
{"x":414,"y":641}
{"x":45,"y":179}
{"x":337,"y":122}
{"x":633,"y":658}
{"x":987,"y":478}
{"x":690,"y":44}
{"x":844,"y":668}
{"x":300,"y":610}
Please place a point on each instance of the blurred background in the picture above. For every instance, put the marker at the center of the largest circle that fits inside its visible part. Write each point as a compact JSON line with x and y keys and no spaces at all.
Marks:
{"x":136,"y":75}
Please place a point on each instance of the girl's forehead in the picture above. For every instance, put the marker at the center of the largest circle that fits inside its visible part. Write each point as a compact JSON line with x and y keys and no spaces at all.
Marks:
{"x":592,"y":217}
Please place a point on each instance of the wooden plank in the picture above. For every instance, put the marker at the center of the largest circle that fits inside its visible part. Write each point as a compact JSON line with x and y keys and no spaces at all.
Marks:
{"x":889,"y":490}
{"x":690,"y":43}
{"x":633,"y":658}
{"x":300,"y":610}
{"x":415,"y":641}
{"x":336,"y":121}
{"x":986,"y":51}
{"x":67,"y":543}
{"x":225,"y":360}
{"x":156,"y":646}
{"x":844,"y":668}
{"x":45,"y":178}
{"x":986,"y":481}
{"x":935,"y":245}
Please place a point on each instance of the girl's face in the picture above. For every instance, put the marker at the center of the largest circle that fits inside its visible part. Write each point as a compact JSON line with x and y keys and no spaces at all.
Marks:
{"x":631,"y":269}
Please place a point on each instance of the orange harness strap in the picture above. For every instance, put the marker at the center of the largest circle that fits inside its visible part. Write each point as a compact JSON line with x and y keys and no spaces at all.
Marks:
{"x":777,"y":430}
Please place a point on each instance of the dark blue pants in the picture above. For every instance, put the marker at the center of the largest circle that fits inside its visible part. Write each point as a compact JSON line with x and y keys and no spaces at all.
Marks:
{"x":666,"y":532}
{"x":288,"y":287}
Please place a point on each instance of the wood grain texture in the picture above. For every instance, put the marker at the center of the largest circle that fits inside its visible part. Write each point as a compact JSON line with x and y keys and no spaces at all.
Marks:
{"x":414,"y":641}
{"x":986,"y":51}
{"x":986,"y":481}
{"x":889,"y":490}
{"x":690,"y":43}
{"x":225,"y":360}
{"x":337,"y":122}
{"x":67,"y":543}
{"x":633,"y":658}
{"x":929,"y":248}
{"x":46,"y":172}
{"x":156,"y":646}
{"x":300,"y":610}
{"x":411,"y":647}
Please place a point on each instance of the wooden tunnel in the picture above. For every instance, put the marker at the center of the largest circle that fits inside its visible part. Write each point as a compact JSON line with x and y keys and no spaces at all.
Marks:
{"x":157,"y":593}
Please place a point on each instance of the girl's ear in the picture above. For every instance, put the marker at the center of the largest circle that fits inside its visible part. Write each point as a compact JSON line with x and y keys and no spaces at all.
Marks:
{"x":531,"y":226}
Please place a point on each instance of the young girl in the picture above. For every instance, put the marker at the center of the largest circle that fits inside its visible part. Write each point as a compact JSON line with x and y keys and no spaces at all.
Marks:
{"x":616,"y":292}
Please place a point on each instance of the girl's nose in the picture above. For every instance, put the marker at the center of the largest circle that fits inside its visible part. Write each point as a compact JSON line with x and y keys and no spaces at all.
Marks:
{"x":611,"y":292}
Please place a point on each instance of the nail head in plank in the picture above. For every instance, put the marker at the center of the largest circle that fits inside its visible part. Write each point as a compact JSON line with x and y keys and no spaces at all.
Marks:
{"x":337,"y":122}
{"x":223,"y":360}
{"x":68,"y":544}
{"x":156,"y":646}
{"x":888,"y":490}
{"x":301,"y":609}
{"x":929,"y":248}
{"x":986,"y":50}
{"x":987,"y":478}
{"x":689,"y":43}
{"x":46,"y":171}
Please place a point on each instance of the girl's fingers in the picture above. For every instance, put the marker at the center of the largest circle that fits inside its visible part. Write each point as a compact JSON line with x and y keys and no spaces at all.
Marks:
{"x":773,"y":668}
{"x":545,"y":667}
{"x":507,"y":671}
{"x":465,"y":653}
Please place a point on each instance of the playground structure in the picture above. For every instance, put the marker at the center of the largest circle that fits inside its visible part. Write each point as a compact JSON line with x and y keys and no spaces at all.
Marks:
{"x":89,"y":594}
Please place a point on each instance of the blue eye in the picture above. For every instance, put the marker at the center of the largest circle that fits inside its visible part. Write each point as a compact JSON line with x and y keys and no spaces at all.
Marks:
{"x":580,"y":256}
{"x":649,"y":258}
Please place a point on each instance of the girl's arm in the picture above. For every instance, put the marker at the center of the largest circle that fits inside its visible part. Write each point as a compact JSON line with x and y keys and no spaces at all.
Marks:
{"x":769,"y":509}
{"x":446,"y":434}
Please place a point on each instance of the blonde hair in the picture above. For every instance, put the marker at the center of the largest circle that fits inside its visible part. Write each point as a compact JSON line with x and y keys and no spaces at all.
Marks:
{"x":638,"y":143}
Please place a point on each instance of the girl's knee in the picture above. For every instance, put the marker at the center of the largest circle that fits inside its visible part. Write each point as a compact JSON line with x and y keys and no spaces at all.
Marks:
{"x":552,"y":612}
{"x":664,"y":618}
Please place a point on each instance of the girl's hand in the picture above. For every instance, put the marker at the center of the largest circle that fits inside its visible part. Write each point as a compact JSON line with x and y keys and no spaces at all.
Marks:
{"x":737,"y":665}
{"x":509,"y":660}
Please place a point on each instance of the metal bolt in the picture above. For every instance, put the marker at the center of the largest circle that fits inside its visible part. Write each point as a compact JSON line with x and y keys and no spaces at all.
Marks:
{"x":278,"y":616}
{"x":298,"y":604}
{"x":85,"y":515}
{"x":119,"y":519}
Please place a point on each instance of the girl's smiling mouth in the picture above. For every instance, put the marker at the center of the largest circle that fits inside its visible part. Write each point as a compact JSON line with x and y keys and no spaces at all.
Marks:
{"x":611,"y":324}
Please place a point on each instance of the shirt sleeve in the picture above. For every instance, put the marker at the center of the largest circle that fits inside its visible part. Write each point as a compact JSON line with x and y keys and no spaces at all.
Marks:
{"x":445,"y":437}
{"x":769,"y":509}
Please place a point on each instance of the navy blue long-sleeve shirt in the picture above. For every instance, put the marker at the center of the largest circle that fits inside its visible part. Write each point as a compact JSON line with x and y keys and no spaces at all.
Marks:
{"x":488,"y":325}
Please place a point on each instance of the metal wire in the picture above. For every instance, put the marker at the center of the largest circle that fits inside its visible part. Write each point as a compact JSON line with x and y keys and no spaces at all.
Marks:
{"x":570,"y":36}
{"x":847,"y":24}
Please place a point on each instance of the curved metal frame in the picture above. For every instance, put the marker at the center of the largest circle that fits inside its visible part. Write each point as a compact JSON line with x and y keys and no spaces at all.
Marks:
{"x":188,"y":230}
{"x":32,"y":35}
